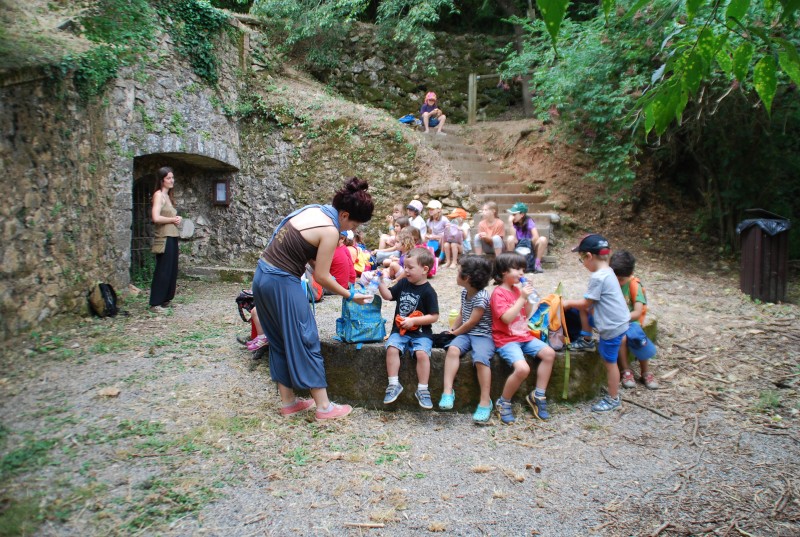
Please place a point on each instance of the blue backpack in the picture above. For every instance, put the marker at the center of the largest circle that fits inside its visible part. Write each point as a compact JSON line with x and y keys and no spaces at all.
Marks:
{"x":361,"y":324}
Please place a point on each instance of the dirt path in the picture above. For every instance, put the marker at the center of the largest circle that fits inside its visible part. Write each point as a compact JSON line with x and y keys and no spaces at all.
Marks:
{"x":193,"y":445}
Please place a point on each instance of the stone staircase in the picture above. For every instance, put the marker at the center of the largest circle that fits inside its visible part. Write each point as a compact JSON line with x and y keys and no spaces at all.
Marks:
{"x":489,"y":183}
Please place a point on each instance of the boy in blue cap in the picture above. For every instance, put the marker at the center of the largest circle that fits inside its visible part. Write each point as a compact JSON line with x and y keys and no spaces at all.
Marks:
{"x":623,"y":263}
{"x":610,"y":313}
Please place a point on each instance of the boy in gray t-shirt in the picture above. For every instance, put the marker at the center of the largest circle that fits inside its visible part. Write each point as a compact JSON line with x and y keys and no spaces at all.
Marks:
{"x":610,"y":312}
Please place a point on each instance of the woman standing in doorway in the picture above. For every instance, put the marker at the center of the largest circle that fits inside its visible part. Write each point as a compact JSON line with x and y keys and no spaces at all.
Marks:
{"x":165,"y":245}
{"x":308,"y":235}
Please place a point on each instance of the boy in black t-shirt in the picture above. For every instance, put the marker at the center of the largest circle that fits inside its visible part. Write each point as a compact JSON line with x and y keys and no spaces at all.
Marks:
{"x":417,"y":309}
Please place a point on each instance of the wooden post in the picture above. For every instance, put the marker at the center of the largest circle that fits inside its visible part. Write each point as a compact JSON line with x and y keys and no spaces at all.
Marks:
{"x":472,"y":99}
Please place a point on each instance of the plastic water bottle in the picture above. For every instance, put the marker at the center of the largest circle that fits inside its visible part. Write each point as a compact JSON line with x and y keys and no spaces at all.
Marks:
{"x":533,"y":298}
{"x":373,"y":286}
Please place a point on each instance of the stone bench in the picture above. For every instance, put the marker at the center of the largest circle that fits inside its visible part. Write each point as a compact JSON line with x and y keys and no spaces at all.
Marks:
{"x":358,"y":376}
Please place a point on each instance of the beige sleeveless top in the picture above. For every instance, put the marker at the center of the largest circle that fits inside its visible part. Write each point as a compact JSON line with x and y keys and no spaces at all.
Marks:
{"x":167,"y":230}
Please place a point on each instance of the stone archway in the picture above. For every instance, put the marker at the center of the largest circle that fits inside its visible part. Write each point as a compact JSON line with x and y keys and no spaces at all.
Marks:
{"x":195,"y":176}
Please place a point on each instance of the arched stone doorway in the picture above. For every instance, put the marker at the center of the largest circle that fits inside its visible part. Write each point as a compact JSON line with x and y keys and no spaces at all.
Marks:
{"x":196,"y":178}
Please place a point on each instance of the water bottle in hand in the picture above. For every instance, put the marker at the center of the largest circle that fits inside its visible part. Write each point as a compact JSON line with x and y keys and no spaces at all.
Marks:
{"x":374,"y":283}
{"x":533,"y":298}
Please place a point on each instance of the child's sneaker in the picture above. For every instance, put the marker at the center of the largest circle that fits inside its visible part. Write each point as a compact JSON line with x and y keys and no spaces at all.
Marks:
{"x":650,"y":381}
{"x":424,"y":398}
{"x":298,"y":406}
{"x":393,"y":391}
{"x":607,"y":404}
{"x":538,"y":405}
{"x":627,"y":379}
{"x":334,"y":411}
{"x":447,"y":400}
{"x":582,"y":344}
{"x":505,"y":411}
{"x":482,"y":414}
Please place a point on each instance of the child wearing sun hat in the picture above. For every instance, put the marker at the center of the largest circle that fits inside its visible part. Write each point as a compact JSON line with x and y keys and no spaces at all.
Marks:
{"x":431,"y":114}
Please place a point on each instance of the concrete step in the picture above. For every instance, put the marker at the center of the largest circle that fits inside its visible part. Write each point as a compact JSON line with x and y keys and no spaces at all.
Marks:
{"x":455,"y":147}
{"x":505,"y":201}
{"x":454,"y":155}
{"x":543,"y":207}
{"x":473,"y":166}
{"x":499,"y":188}
{"x":471,"y":178}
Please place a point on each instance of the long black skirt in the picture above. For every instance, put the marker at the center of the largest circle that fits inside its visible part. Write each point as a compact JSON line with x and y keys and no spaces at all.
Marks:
{"x":165,"y":278}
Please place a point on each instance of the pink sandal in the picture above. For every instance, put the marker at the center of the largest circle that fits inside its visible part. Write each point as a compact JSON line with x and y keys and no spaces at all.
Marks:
{"x":257,"y":343}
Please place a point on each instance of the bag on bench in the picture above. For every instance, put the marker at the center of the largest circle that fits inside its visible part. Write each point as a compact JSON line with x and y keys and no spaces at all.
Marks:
{"x":361,"y":324}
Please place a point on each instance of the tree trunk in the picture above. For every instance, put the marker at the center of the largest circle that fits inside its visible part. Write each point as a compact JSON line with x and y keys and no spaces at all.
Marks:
{"x":509,"y":7}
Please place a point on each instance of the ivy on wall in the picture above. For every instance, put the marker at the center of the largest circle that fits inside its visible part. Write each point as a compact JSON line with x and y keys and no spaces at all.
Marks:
{"x":196,"y":23}
{"x":124,"y":30}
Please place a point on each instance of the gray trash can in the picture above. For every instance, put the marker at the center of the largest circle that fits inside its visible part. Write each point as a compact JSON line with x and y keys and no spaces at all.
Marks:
{"x":765,"y":256}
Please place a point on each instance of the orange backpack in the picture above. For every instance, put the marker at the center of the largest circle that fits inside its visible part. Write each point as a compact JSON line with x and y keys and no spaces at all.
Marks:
{"x":633,"y":288}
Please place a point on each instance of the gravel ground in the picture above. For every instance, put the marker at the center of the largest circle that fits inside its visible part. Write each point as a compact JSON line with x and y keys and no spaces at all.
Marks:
{"x":192,"y":443}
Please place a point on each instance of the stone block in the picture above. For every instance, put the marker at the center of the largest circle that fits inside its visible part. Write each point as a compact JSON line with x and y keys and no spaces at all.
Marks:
{"x":358,"y":377}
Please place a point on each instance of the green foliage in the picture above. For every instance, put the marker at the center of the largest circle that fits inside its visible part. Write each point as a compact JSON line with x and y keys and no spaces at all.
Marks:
{"x":408,"y":21}
{"x":195,"y":24}
{"x":123,"y":31}
{"x":92,"y":69}
{"x":239,"y":6}
{"x":142,"y":272}
{"x":591,"y":96}
{"x":318,"y":28}
{"x":129,"y":23}
{"x":31,"y":455}
{"x":700,"y":76}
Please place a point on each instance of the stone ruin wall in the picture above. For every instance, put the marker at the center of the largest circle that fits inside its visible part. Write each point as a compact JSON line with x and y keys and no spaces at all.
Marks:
{"x":69,"y":170}
{"x":372,"y":72}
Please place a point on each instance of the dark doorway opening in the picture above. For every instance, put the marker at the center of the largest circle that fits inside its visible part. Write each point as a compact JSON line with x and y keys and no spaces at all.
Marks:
{"x":143,"y":261}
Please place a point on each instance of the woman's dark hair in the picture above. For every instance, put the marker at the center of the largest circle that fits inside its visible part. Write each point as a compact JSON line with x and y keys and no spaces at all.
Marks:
{"x":507,"y":261}
{"x":622,"y":263}
{"x":523,"y":223}
{"x":354,"y":199}
{"x":160,"y":175}
{"x":477,"y":270}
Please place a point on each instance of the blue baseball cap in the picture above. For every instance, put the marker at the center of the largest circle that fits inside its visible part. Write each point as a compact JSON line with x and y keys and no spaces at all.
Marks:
{"x":639,"y":344}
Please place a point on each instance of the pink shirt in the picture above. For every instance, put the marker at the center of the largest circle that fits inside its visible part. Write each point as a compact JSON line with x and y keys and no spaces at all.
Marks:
{"x":517,"y":331}
{"x":498,"y":228}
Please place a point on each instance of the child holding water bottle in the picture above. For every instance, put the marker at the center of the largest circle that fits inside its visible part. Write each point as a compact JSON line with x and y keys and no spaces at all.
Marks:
{"x":511,"y":310}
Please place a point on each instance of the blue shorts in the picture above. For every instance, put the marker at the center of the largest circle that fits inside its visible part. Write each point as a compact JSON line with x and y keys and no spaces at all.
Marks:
{"x":515,"y":351}
{"x":406,"y":342}
{"x":482,"y":347}
{"x":609,"y":348}
{"x":432,"y":121}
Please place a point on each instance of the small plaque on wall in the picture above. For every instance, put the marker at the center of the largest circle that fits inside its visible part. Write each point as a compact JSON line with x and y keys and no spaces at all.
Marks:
{"x":222,"y":192}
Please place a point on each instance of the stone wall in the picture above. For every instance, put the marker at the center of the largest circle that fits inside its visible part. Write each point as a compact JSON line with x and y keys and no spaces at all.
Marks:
{"x":69,"y":168}
{"x":55,"y":230}
{"x":380,"y":74}
{"x":78,"y":176}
